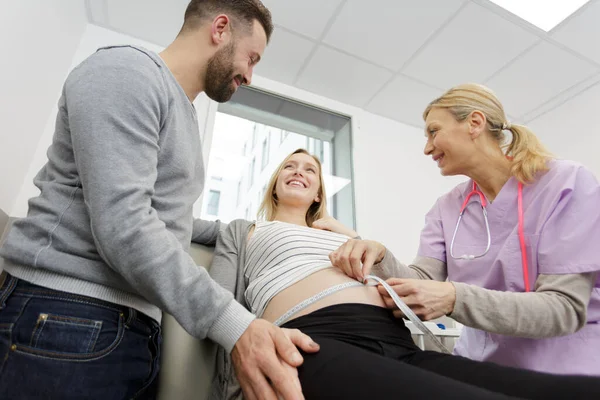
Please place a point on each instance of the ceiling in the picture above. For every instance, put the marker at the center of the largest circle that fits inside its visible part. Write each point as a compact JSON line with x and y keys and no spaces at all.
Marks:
{"x":391,"y":57}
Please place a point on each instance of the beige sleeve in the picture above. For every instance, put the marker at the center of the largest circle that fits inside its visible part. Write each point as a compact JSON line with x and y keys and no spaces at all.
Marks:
{"x":557,"y":307}
{"x":421,"y":268}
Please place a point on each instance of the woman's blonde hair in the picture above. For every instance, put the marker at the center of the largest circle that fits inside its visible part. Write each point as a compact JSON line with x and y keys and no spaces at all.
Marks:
{"x":527,"y":153}
{"x":268,"y":207}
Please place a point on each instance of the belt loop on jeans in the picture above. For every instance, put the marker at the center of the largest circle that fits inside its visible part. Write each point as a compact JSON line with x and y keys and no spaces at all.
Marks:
{"x":3,"y":277}
{"x":131,"y":316}
{"x":7,"y":286}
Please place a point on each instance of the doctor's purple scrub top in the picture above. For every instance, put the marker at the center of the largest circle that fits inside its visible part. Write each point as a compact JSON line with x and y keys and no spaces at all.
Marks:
{"x":562,"y":234}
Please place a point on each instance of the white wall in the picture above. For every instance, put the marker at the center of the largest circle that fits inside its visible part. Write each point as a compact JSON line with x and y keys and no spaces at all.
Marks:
{"x":395,"y":183}
{"x":92,"y":38}
{"x":37,"y":41}
{"x":570,"y":133}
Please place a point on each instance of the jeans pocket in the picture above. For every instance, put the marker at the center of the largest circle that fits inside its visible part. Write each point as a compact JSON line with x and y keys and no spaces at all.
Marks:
{"x":66,"y":334}
{"x":67,"y":330}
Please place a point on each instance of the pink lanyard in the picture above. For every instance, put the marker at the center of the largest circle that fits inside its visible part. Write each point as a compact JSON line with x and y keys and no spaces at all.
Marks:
{"x":522,"y":239}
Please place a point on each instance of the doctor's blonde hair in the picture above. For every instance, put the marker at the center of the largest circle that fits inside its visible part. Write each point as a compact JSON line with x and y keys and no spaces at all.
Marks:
{"x":529,"y":156}
{"x":268,"y":207}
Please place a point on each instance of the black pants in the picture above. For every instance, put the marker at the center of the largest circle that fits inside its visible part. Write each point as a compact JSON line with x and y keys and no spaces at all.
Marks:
{"x":366,"y":353}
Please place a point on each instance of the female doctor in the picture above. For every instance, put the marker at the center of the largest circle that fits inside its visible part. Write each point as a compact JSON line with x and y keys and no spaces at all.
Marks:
{"x":519,"y":243}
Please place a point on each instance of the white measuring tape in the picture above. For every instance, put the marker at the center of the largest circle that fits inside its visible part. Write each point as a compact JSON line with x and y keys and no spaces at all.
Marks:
{"x":302,"y":305}
{"x":401,"y":305}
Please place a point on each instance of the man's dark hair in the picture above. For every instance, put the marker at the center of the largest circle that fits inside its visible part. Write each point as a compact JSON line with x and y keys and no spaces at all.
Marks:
{"x":244,"y":12}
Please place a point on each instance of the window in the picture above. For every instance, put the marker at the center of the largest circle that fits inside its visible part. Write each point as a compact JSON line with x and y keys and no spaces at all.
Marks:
{"x":263,"y":191}
{"x":254,"y":137}
{"x":319,"y":149}
{"x":214,"y":197}
{"x":239,"y":192}
{"x":252,"y":166}
{"x":280,"y":126}
{"x":265,"y":154}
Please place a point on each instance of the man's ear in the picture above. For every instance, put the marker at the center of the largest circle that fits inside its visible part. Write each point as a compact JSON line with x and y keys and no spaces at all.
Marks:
{"x":220,"y":29}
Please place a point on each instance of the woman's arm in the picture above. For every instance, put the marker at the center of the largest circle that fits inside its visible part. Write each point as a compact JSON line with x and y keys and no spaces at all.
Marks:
{"x":226,"y":262}
{"x":421,"y":268}
{"x":359,"y":258}
{"x":206,"y":232}
{"x":557,"y":307}
{"x":333,"y":225}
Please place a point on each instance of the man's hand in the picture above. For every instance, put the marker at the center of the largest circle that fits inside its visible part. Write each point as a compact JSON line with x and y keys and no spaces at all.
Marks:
{"x":256,"y":359}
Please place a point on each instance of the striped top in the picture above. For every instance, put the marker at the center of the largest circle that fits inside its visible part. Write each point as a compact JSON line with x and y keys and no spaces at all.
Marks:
{"x":281,"y":254}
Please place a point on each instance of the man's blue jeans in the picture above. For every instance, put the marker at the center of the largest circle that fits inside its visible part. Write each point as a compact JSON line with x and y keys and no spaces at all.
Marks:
{"x":57,"y":345}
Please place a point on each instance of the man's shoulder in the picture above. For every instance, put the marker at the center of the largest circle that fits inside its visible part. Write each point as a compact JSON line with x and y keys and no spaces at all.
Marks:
{"x":119,"y":69}
{"x":121,"y":62}
{"x":129,"y":53}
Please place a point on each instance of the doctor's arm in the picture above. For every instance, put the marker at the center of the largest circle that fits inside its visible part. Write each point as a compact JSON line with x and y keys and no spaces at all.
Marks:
{"x":426,"y":268}
{"x":557,"y":307}
{"x":359,"y":258}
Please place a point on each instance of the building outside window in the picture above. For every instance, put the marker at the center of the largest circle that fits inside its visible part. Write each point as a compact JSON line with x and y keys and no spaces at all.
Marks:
{"x":264,"y":161}
{"x":252,"y":167}
{"x":239,"y":192}
{"x":214,"y":198}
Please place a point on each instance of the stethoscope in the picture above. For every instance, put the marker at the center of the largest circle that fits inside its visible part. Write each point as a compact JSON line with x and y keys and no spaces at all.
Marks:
{"x":483,"y":202}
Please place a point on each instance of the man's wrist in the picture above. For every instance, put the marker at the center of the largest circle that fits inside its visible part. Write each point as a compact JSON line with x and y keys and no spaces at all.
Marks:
{"x":230,"y":325}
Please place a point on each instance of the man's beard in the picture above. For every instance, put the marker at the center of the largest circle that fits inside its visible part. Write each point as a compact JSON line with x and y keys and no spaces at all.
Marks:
{"x":219,"y":75}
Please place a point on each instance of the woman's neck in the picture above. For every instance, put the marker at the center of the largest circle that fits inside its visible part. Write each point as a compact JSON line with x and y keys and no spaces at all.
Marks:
{"x":491,"y":174}
{"x":291,"y":215}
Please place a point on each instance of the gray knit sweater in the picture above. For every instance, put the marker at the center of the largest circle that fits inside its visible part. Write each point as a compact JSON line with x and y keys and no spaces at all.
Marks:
{"x":114,"y":217}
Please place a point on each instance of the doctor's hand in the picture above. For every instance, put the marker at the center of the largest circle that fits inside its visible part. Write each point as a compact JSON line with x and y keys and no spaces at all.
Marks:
{"x":356,"y":257}
{"x":328,"y":223}
{"x":265,"y":359}
{"x":428,"y":299}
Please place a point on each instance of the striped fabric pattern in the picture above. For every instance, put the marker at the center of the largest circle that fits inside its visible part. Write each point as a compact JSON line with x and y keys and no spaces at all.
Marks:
{"x":280,"y":254}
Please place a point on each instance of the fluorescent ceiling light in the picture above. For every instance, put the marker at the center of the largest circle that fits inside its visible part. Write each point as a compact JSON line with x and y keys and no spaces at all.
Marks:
{"x":545,"y":14}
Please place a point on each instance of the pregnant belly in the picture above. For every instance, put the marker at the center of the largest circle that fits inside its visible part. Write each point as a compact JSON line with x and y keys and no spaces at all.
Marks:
{"x":316,"y":283}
